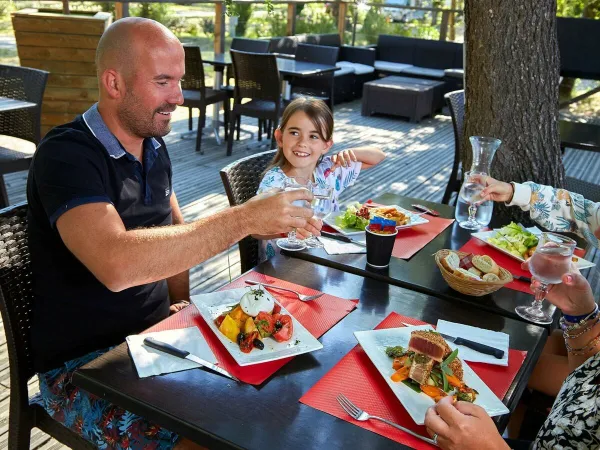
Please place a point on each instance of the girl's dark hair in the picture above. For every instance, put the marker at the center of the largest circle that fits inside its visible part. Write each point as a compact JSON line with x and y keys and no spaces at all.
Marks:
{"x":319,"y":114}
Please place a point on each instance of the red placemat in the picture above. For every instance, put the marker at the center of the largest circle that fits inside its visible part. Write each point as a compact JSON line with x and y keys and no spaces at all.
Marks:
{"x":356,"y":377}
{"x":317,"y":316}
{"x":478,"y":247}
{"x":410,"y":240}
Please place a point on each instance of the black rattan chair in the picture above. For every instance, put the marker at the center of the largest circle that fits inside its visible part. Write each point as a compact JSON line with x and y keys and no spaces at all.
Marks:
{"x":20,"y":83}
{"x":456,"y":103}
{"x":241,"y":179}
{"x":16,"y":299}
{"x":257,"y":79}
{"x":318,"y":86}
{"x":197,"y":95}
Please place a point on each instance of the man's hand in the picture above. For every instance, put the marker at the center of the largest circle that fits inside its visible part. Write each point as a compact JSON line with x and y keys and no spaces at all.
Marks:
{"x":573,"y":296}
{"x":343,"y":158}
{"x":176,"y":307}
{"x":276,"y":212}
{"x":313,"y":227}
{"x":497,"y":191}
{"x":463,"y":426}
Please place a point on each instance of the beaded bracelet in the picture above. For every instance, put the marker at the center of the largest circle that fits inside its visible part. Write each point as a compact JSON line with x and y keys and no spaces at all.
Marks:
{"x":583,"y":350}
{"x":567,"y":335}
{"x":570,"y":326}
{"x":575,"y":319}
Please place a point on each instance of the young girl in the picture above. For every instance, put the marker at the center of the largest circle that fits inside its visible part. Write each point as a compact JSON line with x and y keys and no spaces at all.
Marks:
{"x":303,"y":138}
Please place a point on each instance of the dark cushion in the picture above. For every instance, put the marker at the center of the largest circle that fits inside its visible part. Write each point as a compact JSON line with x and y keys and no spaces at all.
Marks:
{"x":424,"y":72}
{"x":434,"y":54}
{"x":579,"y":54}
{"x":398,"y":49}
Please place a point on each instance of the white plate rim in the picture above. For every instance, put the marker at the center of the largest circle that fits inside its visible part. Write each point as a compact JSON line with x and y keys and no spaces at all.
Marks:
{"x":483,"y":236}
{"x":415,"y":221}
{"x":404,"y":393}
{"x":308,"y":342}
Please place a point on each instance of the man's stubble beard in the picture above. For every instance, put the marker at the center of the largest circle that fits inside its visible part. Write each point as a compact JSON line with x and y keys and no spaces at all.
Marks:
{"x":135,"y":120}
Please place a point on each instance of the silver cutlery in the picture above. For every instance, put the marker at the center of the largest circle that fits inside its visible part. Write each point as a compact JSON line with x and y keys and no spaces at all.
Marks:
{"x":358,"y":414}
{"x":304,"y":298}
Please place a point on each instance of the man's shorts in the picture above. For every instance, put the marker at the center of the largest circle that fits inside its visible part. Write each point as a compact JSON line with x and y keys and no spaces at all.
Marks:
{"x":103,"y":424}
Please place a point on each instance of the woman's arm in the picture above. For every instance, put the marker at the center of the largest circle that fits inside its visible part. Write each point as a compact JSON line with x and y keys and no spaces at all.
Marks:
{"x":554,"y":209}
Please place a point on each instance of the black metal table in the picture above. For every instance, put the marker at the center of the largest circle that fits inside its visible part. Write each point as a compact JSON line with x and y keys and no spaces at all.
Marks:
{"x":420,"y":272}
{"x":218,"y":413}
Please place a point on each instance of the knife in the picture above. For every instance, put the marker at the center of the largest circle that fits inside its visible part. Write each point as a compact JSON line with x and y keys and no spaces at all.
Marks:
{"x":168,"y":348}
{"x":341,"y":237}
{"x":481,"y":348}
{"x":426,"y":210}
{"x":522,"y":278}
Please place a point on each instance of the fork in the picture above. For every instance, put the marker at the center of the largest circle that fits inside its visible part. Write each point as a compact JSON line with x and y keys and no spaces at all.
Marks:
{"x":358,"y":414}
{"x":301,"y":297}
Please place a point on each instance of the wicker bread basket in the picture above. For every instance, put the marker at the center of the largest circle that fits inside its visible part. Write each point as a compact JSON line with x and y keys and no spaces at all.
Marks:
{"x":471,"y":287}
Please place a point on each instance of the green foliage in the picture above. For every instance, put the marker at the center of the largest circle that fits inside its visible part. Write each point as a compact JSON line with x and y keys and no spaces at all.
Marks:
{"x":208,"y":26}
{"x":375,"y":24}
{"x":315,"y":20}
{"x":161,"y":12}
{"x":578,"y":8}
{"x":5,"y":8}
{"x":244,"y":12}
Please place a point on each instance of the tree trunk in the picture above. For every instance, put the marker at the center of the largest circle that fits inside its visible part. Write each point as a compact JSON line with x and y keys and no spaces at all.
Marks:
{"x":511,"y":89}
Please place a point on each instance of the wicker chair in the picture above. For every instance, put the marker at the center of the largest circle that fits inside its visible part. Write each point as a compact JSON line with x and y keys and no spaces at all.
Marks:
{"x":319,"y":86}
{"x":20,"y":83}
{"x":257,"y":79}
{"x":16,"y":299}
{"x":456,"y":103}
{"x":197,"y":95}
{"x":241,"y":179}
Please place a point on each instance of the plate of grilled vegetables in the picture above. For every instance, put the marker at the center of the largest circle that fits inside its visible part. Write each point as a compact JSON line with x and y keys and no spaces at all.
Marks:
{"x":421,"y":369}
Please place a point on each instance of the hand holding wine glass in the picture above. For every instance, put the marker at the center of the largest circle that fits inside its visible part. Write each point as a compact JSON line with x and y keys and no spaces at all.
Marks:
{"x":292,"y":243}
{"x":322,"y":205}
{"x":470,"y":192}
{"x":550,"y":262}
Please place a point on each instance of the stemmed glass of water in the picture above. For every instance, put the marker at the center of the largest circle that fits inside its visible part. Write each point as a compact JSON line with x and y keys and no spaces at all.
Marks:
{"x":550,"y":261}
{"x":292,"y":243}
{"x":470,"y":192}
{"x":322,"y":205}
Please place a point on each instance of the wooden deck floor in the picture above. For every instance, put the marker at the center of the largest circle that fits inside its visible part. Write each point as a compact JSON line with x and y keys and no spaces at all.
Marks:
{"x":418,"y":165}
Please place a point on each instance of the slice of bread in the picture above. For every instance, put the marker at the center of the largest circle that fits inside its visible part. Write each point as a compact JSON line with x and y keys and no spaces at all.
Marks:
{"x":485,"y":264}
{"x":475,"y":271}
{"x":491,"y":277}
{"x":451,"y":262}
{"x":462,"y":273}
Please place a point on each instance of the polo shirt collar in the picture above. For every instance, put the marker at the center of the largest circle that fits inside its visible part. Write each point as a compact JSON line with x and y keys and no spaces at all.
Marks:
{"x":94,"y":122}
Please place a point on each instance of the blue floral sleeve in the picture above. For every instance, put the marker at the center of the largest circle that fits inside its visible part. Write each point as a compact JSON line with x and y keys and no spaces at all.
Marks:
{"x":561,"y":210}
{"x":273,"y":179}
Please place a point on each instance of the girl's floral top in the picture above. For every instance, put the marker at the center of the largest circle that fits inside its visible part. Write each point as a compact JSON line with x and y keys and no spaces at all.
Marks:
{"x":559,"y":209}
{"x":339,"y":179}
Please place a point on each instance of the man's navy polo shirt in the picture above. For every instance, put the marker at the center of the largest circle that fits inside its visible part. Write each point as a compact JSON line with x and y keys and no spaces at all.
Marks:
{"x":78,"y":163}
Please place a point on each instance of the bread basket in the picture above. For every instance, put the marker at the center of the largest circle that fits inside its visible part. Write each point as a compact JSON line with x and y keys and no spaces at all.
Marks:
{"x":471,"y":287}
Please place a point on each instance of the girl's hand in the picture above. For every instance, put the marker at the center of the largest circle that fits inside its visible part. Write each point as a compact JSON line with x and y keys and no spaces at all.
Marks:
{"x":343,"y":158}
{"x":497,"y":191}
{"x":573,"y":296}
{"x":463,"y":426}
{"x":313,"y":227}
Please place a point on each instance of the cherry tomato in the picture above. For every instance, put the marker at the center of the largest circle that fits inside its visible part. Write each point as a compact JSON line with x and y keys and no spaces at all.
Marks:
{"x":277,"y":308}
{"x":265,"y":323}
{"x":284,"y":327}
{"x":247,"y":343}
{"x":219,"y":320}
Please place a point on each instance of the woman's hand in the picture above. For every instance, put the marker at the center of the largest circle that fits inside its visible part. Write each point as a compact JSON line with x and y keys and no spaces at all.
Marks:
{"x":343,"y":158}
{"x":497,"y":191}
{"x":313,"y":226}
{"x":573,"y":296}
{"x":463,"y":426}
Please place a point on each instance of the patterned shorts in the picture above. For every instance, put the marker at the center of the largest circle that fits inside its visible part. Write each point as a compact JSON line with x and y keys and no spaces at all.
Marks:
{"x":103,"y":424}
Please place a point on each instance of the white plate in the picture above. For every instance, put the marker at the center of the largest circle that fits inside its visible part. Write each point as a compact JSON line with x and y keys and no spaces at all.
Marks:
{"x":485,"y":235}
{"x":212,"y":305}
{"x":374,"y":343}
{"x":330,"y":220}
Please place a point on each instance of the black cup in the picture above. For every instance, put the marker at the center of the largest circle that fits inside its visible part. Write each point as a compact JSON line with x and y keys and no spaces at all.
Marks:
{"x":379,"y":248}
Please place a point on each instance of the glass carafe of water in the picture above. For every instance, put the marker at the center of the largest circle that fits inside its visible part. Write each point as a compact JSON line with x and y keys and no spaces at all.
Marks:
{"x":471,"y":213}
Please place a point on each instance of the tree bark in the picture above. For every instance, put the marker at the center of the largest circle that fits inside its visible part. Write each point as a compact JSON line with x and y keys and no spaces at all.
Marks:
{"x":511,"y":89}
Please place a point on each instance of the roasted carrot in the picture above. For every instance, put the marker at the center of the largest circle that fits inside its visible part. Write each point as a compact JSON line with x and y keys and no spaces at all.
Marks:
{"x":432,"y":391}
{"x":454,"y":381}
{"x":399,"y":362}
{"x":401,"y":375}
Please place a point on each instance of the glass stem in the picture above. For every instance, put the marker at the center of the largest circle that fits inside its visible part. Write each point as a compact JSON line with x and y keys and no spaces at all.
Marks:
{"x":472,"y":212}
{"x":292,"y":235}
{"x":540,"y":295}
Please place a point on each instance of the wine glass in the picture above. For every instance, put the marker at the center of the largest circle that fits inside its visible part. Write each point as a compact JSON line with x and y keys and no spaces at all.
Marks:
{"x":470,"y":193}
{"x":550,"y":261}
{"x":292,"y":243}
{"x":322,"y":205}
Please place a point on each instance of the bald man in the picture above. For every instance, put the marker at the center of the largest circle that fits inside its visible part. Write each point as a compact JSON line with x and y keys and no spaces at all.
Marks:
{"x":110,"y":252}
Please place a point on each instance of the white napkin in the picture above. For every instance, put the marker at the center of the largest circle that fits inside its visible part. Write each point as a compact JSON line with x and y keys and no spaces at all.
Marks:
{"x":335,"y":247}
{"x":149,"y":361}
{"x":494,"y":339}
